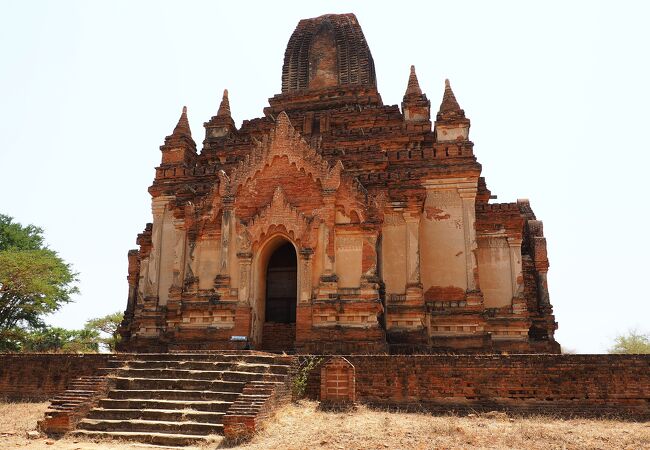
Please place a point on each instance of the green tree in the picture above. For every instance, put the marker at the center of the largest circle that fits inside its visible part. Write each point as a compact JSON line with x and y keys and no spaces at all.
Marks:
{"x":106,"y":327}
{"x":34,"y":280}
{"x":631,"y":343}
{"x":55,"y":339}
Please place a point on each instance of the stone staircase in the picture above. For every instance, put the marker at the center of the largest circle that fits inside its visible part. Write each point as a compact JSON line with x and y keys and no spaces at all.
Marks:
{"x":67,"y":408}
{"x":179,"y":399}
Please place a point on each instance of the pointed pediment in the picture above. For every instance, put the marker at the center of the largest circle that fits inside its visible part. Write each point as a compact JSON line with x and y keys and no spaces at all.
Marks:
{"x":283,"y":141}
{"x":271,"y":164}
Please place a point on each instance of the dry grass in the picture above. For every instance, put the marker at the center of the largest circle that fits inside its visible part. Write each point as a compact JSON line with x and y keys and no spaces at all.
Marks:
{"x":18,"y":418}
{"x":303,"y":426}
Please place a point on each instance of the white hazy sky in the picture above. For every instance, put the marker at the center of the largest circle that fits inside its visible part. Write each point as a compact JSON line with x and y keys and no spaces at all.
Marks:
{"x":558,"y":95}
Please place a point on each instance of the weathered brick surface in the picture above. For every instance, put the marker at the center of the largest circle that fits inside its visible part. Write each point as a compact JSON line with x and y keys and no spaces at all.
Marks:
{"x":41,"y":376}
{"x":591,"y":385}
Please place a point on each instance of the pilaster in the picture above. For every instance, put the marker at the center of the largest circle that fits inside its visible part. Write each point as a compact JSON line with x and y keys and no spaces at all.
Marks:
{"x":305,"y":267}
{"x":158,"y":208}
{"x":413,"y":282}
{"x":222,"y":280}
{"x":245,"y":279}
{"x":516,"y":275}
{"x":467,"y":194}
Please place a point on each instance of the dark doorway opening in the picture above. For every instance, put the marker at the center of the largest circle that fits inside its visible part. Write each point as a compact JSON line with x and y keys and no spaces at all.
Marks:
{"x":279,"y":330}
{"x":281,"y":285}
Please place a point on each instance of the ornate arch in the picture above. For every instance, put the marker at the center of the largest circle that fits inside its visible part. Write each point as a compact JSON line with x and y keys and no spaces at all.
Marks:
{"x":280,"y":213}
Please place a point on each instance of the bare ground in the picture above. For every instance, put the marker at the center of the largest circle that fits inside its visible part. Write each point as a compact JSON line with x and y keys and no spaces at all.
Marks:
{"x":303,"y":426}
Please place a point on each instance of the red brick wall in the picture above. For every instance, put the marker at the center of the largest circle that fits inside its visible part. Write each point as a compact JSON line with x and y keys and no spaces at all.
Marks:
{"x":558,"y":384}
{"x":41,"y":376}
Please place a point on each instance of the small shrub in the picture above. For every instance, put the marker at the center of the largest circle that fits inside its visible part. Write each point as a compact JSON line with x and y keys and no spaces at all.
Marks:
{"x":306,"y":365}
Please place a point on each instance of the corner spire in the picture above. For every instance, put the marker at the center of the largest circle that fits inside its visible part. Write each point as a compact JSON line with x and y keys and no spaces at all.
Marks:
{"x":413,"y":87}
{"x":449,"y":107}
{"x":183,"y":126}
{"x":451,"y":123}
{"x":179,"y":148}
{"x":224,"y":107}
{"x":415,"y":105}
{"x":222,"y":124}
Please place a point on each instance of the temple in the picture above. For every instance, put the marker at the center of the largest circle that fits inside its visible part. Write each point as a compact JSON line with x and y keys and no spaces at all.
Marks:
{"x":335,"y":224}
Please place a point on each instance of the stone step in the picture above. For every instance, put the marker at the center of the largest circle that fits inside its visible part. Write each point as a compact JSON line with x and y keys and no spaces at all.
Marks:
{"x":175,"y":399}
{"x":113,"y":363}
{"x":196,"y":405}
{"x":168,"y":439}
{"x":212,"y":357}
{"x":156,"y":426}
{"x":165,"y":415}
{"x":175,"y":383}
{"x":187,"y":365}
{"x":75,"y":394}
{"x":172,"y":394}
{"x":208,"y":365}
{"x":80,"y":391}
{"x":84,"y":387}
{"x":67,"y":401}
{"x":64,"y":398}
{"x":206,"y":375}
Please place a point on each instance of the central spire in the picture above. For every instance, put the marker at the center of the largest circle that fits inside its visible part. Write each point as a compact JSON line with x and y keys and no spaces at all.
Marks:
{"x":327,"y":51}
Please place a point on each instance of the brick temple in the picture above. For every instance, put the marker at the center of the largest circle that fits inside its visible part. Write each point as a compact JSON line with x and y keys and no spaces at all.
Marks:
{"x":335,"y":224}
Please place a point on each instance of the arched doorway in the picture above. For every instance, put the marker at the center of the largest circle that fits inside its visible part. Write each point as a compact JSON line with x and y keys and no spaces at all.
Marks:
{"x":281,"y":285}
{"x":280,"y":297}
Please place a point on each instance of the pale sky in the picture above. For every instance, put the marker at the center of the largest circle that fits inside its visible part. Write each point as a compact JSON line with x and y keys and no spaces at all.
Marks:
{"x":558,"y":95}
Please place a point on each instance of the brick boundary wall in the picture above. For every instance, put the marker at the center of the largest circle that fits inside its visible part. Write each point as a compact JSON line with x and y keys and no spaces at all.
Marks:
{"x":40,"y":376}
{"x":584,"y":385}
{"x":592,"y":385}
